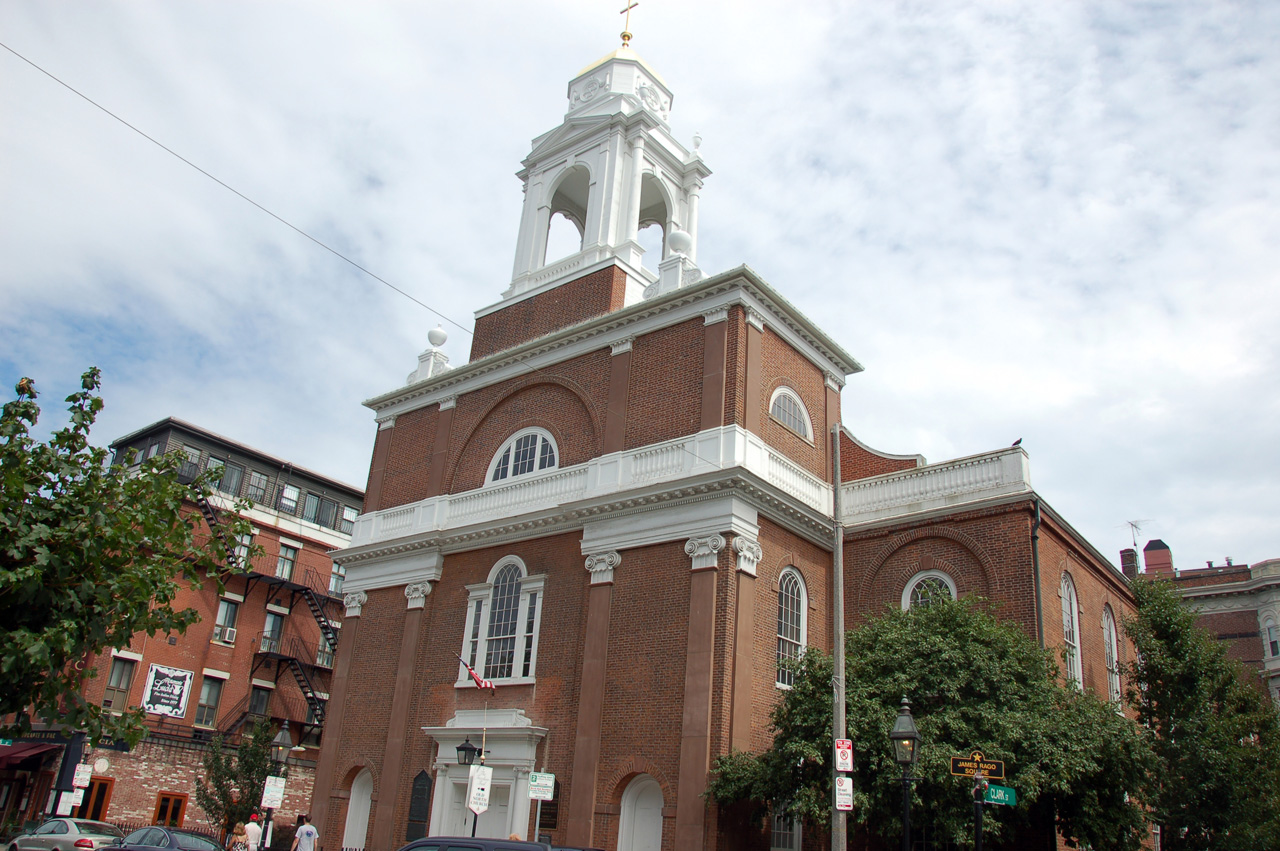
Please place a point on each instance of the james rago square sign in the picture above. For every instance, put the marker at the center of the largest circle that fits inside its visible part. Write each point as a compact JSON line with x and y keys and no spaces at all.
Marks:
{"x":967,"y":766}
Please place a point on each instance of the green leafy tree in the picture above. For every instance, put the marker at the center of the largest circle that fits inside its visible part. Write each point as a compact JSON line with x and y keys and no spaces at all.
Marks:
{"x":90,"y":555}
{"x":232,"y":784}
{"x":975,"y":683}
{"x":1216,"y":784}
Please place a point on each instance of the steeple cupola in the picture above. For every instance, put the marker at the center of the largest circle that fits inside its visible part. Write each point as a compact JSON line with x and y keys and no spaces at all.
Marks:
{"x":611,"y":168}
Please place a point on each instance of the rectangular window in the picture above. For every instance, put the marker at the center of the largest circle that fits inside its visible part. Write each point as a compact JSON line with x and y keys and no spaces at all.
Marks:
{"x":171,"y":807}
{"x":785,"y":835}
{"x":207,"y":708}
{"x":328,"y":513}
{"x":311,"y":508}
{"x":118,"y":681}
{"x":153,"y":450}
{"x":259,"y":700}
{"x":190,"y":467}
{"x":324,"y":653}
{"x":336,"y":578}
{"x":229,"y":483}
{"x":289,"y":499}
{"x":256,"y":487}
{"x":224,"y":627}
{"x":286,"y":561}
{"x":527,"y":668}
{"x":243,"y":543}
{"x":271,"y":632}
{"x":1273,"y":640}
{"x":349,"y":515}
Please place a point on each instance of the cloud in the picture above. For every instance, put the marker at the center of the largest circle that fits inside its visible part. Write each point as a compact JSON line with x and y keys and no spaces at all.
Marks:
{"x":1048,"y":221}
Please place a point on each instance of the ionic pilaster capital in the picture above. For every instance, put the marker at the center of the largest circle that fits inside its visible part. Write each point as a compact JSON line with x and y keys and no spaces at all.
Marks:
{"x":416,"y":594}
{"x":749,"y":554}
{"x":354,"y":602}
{"x":705,"y":552}
{"x":601,"y":566}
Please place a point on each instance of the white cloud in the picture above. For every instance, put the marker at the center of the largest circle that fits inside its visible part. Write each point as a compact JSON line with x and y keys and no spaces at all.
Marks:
{"x":1047,"y":221}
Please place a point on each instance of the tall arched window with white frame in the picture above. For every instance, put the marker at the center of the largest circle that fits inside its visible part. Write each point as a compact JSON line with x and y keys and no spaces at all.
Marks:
{"x":793,"y":622}
{"x":1112,"y":645}
{"x":503,"y":620}
{"x":1071,"y":631}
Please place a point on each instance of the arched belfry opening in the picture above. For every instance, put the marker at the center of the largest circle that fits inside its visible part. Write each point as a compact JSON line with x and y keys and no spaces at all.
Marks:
{"x":568,"y":221}
{"x":655,"y":218}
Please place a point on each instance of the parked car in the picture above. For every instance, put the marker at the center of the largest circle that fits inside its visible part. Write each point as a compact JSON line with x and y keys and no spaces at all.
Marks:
{"x":67,"y":834}
{"x":157,"y":837}
{"x":469,"y":843}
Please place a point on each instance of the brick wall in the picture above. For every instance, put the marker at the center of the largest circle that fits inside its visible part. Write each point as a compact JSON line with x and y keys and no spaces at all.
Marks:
{"x":568,"y":304}
{"x":781,"y":365}
{"x":665,"y":399}
{"x":856,"y":462}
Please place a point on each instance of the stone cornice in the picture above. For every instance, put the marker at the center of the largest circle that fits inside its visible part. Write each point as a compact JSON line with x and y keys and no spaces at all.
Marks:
{"x":670,"y":308}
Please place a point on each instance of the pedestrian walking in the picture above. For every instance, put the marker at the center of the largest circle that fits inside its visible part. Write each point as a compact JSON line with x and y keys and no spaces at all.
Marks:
{"x":253,"y":831}
{"x":239,"y":840}
{"x":304,"y":838}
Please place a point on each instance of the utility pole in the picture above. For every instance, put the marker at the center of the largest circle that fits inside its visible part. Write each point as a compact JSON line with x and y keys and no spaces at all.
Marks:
{"x":838,"y":821}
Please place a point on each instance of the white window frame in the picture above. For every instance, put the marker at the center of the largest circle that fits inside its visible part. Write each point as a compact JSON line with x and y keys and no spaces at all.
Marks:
{"x":921,"y":577}
{"x":481,"y":594}
{"x":790,"y":393}
{"x":1111,"y":647}
{"x":1071,"y":630}
{"x":784,"y":679}
{"x":782,"y":826}
{"x":1270,"y":634}
{"x":509,"y":445}
{"x":222,"y":685}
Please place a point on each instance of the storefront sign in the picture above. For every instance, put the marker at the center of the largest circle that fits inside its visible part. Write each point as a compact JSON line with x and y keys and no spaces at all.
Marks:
{"x":167,"y":691}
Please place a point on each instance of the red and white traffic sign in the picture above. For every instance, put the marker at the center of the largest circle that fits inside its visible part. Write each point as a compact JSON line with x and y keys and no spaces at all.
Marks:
{"x":844,"y":793}
{"x":844,"y":755}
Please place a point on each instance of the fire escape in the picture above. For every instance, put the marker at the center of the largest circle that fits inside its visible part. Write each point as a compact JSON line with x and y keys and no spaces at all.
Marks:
{"x":308,"y":662}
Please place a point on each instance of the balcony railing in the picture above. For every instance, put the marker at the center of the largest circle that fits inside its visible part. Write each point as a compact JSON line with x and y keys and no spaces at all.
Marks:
{"x":707,"y":452}
{"x":945,"y":485}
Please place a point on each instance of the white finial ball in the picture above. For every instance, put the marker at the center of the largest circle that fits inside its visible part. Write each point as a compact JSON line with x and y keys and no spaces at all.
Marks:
{"x":437,"y":336}
{"x":680,"y":242}
{"x":697,"y":141}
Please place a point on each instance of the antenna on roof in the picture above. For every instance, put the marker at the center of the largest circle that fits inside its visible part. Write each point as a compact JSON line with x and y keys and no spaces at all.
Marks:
{"x":1135,"y":526}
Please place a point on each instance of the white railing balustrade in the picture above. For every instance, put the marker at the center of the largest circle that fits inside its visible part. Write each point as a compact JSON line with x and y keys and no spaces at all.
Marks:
{"x":950,"y":483}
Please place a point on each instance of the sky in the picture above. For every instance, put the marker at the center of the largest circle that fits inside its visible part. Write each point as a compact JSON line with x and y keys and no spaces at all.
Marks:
{"x":1047,"y":221}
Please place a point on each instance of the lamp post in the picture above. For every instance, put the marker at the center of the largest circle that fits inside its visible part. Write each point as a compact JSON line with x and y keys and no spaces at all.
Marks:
{"x":467,"y":756}
{"x":906,"y":741}
{"x":280,"y":747}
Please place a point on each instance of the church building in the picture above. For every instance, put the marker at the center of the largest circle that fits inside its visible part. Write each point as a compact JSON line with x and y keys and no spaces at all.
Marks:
{"x":620,"y":513}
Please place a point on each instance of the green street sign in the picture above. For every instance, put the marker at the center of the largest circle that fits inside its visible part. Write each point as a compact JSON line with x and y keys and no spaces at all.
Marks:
{"x":1001,"y":795}
{"x":6,"y":742}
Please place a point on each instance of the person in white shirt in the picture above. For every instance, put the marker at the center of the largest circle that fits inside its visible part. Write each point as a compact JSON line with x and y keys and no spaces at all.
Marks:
{"x":253,"y":830}
{"x":304,"y":839}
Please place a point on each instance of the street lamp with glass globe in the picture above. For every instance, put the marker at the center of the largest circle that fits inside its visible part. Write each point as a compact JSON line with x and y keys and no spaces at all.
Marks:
{"x":906,"y":749}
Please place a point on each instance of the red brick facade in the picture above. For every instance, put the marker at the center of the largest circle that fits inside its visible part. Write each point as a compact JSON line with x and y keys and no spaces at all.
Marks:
{"x":650,"y":669}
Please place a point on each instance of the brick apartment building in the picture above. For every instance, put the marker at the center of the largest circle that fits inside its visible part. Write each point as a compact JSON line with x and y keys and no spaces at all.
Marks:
{"x":263,"y":648}
{"x":620,"y":512}
{"x":1237,"y":603}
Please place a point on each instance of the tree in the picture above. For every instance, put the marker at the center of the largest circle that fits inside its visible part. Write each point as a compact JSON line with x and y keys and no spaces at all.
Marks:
{"x":232,"y":786}
{"x":1216,"y":783}
{"x":975,"y":683}
{"x":90,"y":555}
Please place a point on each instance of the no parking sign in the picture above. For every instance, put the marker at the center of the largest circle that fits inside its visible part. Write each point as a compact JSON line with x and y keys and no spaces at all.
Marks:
{"x":844,"y":755}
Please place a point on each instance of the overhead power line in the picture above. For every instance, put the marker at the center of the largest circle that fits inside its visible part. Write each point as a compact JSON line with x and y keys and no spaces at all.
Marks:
{"x":235,"y":191}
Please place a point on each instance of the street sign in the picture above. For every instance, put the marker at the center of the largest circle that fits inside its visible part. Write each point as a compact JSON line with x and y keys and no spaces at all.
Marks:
{"x":967,"y":766}
{"x":478,"y":788}
{"x":844,"y":793}
{"x":844,"y":755}
{"x":542,"y":786}
{"x":84,"y":772}
{"x":1001,"y":795}
{"x":272,"y":792}
{"x":8,"y":743}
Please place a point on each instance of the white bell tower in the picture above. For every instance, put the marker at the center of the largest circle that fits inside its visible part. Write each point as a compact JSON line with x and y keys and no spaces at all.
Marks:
{"x":611,"y":168}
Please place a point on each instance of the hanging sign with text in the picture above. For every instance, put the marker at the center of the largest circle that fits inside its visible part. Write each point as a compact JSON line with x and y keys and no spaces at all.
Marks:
{"x":478,"y":788}
{"x":967,"y":766}
{"x":167,"y":691}
{"x":273,"y":793}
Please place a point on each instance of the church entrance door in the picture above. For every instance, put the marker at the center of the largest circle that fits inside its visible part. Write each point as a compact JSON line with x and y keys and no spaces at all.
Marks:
{"x":640,"y":825}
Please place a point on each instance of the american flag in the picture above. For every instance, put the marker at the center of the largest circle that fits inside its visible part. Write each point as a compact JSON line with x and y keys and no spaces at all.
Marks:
{"x":480,"y":683}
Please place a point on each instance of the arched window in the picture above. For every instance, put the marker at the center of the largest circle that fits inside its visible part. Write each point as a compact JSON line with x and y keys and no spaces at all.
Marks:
{"x":1113,"y":655}
{"x":787,"y":408}
{"x":1071,"y":631}
{"x":926,"y":588}
{"x":568,"y":219}
{"x":503,"y":618}
{"x":527,"y":451}
{"x":793,"y":622}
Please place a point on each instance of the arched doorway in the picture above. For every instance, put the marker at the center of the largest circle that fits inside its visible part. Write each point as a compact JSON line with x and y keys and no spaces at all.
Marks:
{"x":353,"y":835}
{"x":640,"y":825}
